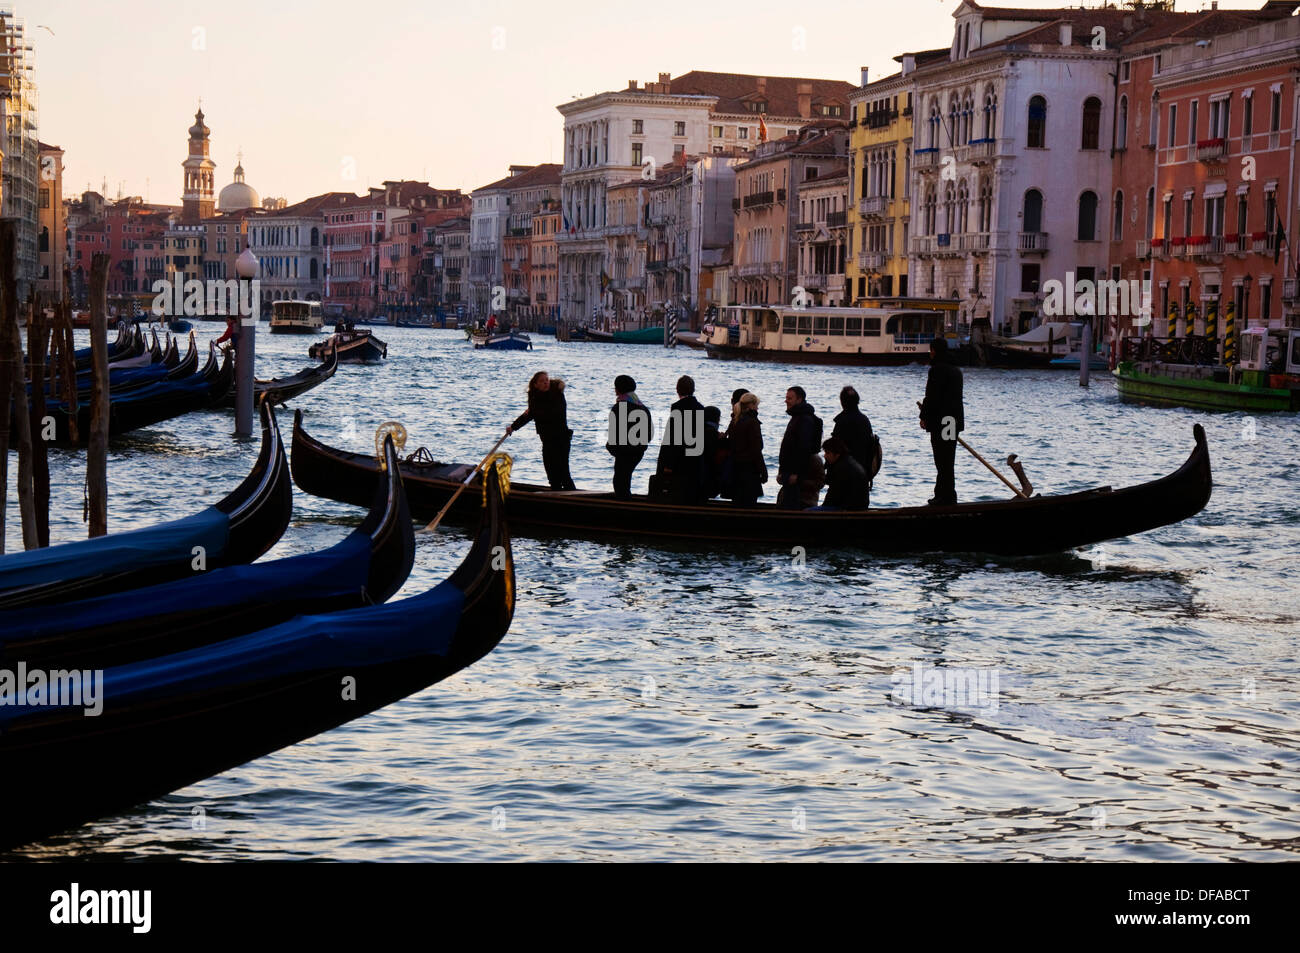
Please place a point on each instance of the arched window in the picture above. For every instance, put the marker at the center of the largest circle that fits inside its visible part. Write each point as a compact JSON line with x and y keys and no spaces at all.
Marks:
{"x":1092,"y":123}
{"x":1117,"y":234}
{"x":990,"y":114}
{"x":930,"y":205}
{"x":967,"y":116}
{"x":313,"y":269}
{"x":986,"y":205}
{"x":1121,"y":134}
{"x":1088,"y":217}
{"x":934,"y":123}
{"x":1037,"y":137}
{"x":949,"y":208}
{"x":1033,"y":211}
{"x":954,"y":117}
{"x":963,"y":206}
{"x":315,"y":237}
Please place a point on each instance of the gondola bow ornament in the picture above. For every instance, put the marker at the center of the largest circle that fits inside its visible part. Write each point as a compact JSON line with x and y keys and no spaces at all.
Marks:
{"x":390,"y":428}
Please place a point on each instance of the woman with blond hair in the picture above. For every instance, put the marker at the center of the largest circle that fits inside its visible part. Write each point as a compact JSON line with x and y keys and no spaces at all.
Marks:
{"x":549,"y":413}
{"x":745,"y":442}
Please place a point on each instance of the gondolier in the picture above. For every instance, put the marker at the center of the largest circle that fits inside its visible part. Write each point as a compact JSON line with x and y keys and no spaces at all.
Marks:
{"x":942,"y":415}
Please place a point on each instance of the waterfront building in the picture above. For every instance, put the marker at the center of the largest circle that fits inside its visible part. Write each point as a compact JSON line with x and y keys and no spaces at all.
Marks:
{"x":880,"y":168}
{"x":238,"y":195}
{"x":451,"y":241}
{"x":526,"y":195}
{"x":543,"y":272}
{"x":821,"y":231}
{"x":20,"y":168}
{"x":1214,"y":123}
{"x":199,"y":174}
{"x":290,"y":242}
{"x":51,"y":225}
{"x":489,"y":220}
{"x":627,"y":251}
{"x":614,"y":137}
{"x":766,"y":208}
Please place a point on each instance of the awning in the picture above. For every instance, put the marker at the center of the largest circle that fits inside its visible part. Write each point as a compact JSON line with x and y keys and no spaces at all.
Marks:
{"x":1215,"y":189}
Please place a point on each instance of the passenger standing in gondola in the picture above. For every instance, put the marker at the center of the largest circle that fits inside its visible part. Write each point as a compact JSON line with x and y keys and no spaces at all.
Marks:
{"x":848,"y":487}
{"x":548,"y":411}
{"x":803,"y":437}
{"x":943,"y":416}
{"x":714,"y":453}
{"x":629,"y":434}
{"x":854,"y":428}
{"x":745,"y":443}
{"x":681,"y":457}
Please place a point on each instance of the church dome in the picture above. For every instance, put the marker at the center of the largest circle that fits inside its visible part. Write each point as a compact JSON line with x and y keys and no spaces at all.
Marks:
{"x":238,"y":194}
{"x":198,"y":129}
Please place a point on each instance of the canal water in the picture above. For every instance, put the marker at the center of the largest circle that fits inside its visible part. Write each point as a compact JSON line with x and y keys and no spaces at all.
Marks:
{"x":1134,"y":701}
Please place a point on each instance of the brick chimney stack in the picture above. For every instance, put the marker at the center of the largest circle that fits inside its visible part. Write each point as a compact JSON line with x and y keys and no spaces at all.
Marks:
{"x":805,"y":100}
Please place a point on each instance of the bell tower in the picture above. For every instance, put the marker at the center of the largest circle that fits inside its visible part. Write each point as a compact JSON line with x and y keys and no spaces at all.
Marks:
{"x":196,"y":200}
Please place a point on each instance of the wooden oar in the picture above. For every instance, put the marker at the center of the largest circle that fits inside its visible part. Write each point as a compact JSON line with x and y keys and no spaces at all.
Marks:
{"x":464,"y":483}
{"x":992,"y":469}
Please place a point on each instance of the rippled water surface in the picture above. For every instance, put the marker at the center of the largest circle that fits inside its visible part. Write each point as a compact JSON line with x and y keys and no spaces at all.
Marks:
{"x":672,"y":703}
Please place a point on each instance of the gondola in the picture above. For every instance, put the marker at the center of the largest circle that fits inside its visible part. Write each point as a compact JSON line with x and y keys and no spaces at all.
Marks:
{"x":124,"y":343}
{"x":282,"y":389}
{"x":167,"y":722}
{"x":1016,"y":527}
{"x":121,"y":380}
{"x":353,"y":346}
{"x":364,"y":569}
{"x":237,"y":530}
{"x":146,"y":405}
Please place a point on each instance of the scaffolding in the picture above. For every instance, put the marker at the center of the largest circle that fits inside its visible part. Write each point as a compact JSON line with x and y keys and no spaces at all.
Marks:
{"x":20,"y":170}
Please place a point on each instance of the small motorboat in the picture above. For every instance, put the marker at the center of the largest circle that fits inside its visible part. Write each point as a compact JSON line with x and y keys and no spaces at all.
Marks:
{"x":354,"y":347}
{"x":512,"y":341}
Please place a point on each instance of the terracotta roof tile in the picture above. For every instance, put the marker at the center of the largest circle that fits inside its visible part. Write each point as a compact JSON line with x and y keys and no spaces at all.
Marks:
{"x":781,"y":92}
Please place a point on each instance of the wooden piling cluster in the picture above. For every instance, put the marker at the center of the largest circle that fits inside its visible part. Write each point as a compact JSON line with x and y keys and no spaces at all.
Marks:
{"x":49,"y":359}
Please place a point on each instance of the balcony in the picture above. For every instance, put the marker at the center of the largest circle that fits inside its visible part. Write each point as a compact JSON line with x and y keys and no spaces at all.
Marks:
{"x":926,"y":160}
{"x":1032,"y":243}
{"x":1177,"y":247}
{"x":873,"y":206}
{"x":880,"y":118}
{"x":1261,"y":243}
{"x":973,"y":242}
{"x":1204,"y":246}
{"x":757,"y":199}
{"x":1160,"y":249}
{"x":656,"y":265}
{"x":759,"y":268}
{"x":923,"y":245}
{"x":1143,"y":249}
{"x":1233,"y":244}
{"x":780,"y":195}
{"x":813,"y":282}
{"x":735,"y":205}
{"x":1211,"y":150}
{"x":804,"y":226}
{"x":871,"y":260}
{"x":836,"y":219}
{"x":1291,"y":290}
{"x":983,"y":151}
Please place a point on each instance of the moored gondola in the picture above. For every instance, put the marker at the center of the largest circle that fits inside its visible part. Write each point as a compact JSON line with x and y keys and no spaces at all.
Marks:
{"x":237,"y":530}
{"x":1016,"y":527}
{"x":167,"y":722}
{"x":364,"y":569}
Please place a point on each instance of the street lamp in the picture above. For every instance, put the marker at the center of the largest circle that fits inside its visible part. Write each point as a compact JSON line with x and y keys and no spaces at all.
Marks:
{"x":246,"y":267}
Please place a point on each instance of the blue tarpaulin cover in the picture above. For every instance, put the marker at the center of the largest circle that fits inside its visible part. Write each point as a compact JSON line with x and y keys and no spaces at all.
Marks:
{"x":337,"y":571}
{"x":164,"y":544}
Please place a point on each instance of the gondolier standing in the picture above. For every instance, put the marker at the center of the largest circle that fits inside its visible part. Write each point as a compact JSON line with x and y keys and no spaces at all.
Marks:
{"x":548,"y":412}
{"x":942,"y":415}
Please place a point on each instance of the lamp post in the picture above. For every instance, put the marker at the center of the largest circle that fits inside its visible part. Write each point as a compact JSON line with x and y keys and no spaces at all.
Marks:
{"x":247,"y":267}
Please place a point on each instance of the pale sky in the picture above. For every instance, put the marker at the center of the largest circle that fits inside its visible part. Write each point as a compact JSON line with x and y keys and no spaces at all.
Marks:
{"x":403,"y":88}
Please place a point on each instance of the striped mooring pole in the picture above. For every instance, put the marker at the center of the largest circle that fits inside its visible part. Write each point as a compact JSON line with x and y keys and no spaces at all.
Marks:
{"x":670,"y":329}
{"x":1212,"y":325}
{"x":1230,"y":334}
{"x":1172,"y":330}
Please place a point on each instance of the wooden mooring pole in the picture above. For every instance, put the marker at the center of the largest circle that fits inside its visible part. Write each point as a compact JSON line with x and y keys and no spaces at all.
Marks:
{"x":97,"y":445}
{"x":38,"y":343}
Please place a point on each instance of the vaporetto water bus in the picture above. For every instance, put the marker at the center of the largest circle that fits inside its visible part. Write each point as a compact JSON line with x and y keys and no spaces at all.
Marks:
{"x":854,"y":336}
{"x":296,"y":317}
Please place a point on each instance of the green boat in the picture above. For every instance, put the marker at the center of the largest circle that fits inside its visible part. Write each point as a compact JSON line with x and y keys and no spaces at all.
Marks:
{"x":1266,"y":380}
{"x":653,"y":335}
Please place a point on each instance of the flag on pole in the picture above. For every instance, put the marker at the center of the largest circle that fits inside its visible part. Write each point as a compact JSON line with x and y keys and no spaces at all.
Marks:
{"x":604,"y":281}
{"x":567,"y":226}
{"x":762,"y":127}
{"x":1278,"y":240}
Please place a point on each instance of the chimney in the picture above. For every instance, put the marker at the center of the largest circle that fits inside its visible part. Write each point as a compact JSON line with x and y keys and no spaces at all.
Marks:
{"x":1067,"y":34}
{"x":762,"y":84}
{"x":909,"y":63}
{"x":864,"y":75}
{"x":805,"y":100}
{"x":665,"y":82}
{"x":631,"y":84}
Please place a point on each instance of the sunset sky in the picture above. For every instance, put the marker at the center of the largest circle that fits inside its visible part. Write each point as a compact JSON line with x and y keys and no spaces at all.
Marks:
{"x":406,"y":89}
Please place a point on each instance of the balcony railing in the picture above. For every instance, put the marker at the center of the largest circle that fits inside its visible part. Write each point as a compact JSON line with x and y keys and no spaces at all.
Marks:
{"x":1211,"y":150}
{"x":880,"y":118}
{"x":983,"y":151}
{"x":1207,"y":246}
{"x":813,"y":282}
{"x":973,"y":242}
{"x":1143,"y":248}
{"x":836,"y":219}
{"x":1033,"y":243}
{"x":1290,"y":289}
{"x":757,"y":199}
{"x":804,"y":226}
{"x":873,"y":206}
{"x":656,"y":265}
{"x":871,"y":260}
{"x":923,"y":245}
{"x":780,"y":195}
{"x":925,"y":160}
{"x":1177,"y":247}
{"x":1261,"y":243}
{"x":759,"y":268}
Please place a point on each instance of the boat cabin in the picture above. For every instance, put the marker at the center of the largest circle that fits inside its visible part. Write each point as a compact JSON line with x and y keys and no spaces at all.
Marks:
{"x":1271,"y":350}
{"x":297,"y":315}
{"x":852,"y":330}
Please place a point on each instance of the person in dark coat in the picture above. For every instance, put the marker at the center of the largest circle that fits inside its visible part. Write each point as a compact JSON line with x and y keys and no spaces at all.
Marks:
{"x":548,"y":412}
{"x":803,"y":435}
{"x":854,"y":428}
{"x":681,"y":457}
{"x":845,"y":478}
{"x":745,"y":443}
{"x":629,"y":434}
{"x":943,"y":416}
{"x":711,"y":467}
